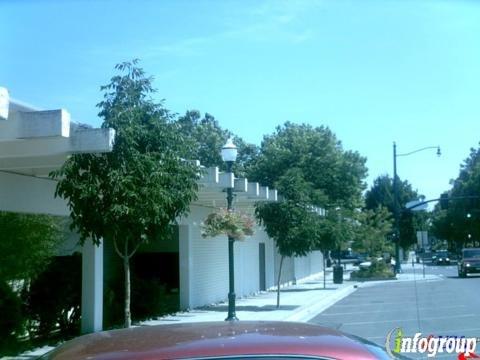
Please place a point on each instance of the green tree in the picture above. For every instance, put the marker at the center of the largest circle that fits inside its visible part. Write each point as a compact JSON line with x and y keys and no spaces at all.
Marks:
{"x":443,"y":227}
{"x":290,"y":223}
{"x":335,"y":176}
{"x":381,"y":195}
{"x":207,"y":134}
{"x":335,"y":230}
{"x":291,"y":226}
{"x":372,"y":231}
{"x":309,"y":167}
{"x":28,"y":243}
{"x":459,"y":224}
{"x":209,"y":138}
{"x":133,"y":193}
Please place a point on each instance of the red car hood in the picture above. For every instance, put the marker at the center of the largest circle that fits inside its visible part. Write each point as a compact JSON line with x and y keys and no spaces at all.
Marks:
{"x":213,"y":339}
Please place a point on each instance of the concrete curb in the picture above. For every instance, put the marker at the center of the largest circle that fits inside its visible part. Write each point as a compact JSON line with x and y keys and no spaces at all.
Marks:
{"x":312,"y":309}
{"x":396,"y":281}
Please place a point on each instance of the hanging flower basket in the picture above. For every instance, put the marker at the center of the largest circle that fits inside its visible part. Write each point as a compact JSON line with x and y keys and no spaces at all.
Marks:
{"x":237,"y":225}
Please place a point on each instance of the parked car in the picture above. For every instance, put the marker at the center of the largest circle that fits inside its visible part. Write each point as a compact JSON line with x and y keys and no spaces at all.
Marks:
{"x":441,"y":257}
{"x":469,"y":262}
{"x":220,"y":340}
{"x":348,"y":257}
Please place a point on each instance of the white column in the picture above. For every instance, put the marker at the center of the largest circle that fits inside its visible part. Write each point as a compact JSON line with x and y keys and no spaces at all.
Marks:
{"x":92,"y":287}
{"x":185,"y":263}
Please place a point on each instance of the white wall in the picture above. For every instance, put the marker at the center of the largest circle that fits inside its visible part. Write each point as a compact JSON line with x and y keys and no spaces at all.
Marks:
{"x":288,"y":270}
{"x":27,"y":194}
{"x":296,"y":269}
{"x":270,"y":251}
{"x":204,"y":263}
{"x":316,"y":262}
{"x":247,"y":272}
{"x":207,"y":263}
{"x":306,"y":266}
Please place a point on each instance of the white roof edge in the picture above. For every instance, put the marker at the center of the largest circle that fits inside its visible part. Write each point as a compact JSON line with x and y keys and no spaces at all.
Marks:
{"x":26,"y":106}
{"x":29,"y":107}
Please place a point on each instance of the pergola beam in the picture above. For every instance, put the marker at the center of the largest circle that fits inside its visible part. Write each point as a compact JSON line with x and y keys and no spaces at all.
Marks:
{"x":241,"y":185}
{"x":36,"y":124}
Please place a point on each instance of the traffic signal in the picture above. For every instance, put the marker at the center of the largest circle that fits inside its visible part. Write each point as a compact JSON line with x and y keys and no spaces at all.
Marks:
{"x":444,"y":201}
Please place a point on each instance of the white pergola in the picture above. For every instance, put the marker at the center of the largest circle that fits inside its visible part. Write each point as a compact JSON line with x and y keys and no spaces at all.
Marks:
{"x":213,"y":183}
{"x":35,"y":142}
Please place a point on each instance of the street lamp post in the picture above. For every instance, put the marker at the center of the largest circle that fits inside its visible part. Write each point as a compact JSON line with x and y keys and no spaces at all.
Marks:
{"x":229,"y":155}
{"x":396,"y":210}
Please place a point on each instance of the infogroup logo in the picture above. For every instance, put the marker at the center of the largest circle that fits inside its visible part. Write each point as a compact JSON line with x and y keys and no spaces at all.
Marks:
{"x":396,"y":343}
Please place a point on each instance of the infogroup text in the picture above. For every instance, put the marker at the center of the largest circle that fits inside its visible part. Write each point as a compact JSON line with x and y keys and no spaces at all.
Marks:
{"x":431,"y":345}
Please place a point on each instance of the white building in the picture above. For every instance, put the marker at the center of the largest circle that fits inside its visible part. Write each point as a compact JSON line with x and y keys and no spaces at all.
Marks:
{"x":34,"y":142}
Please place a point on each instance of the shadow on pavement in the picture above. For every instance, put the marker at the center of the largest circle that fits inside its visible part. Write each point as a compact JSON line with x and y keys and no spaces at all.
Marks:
{"x":224,"y":308}
{"x":302,"y":290}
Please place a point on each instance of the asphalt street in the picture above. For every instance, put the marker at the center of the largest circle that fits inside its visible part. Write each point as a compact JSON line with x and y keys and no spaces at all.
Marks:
{"x":448,"y":306}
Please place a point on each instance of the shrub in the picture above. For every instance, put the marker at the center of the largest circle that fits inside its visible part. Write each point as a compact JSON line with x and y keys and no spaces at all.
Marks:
{"x":28,"y":243}
{"x":377,"y":270}
{"x":151,"y":298}
{"x":12,"y":320}
{"x":53,"y":301}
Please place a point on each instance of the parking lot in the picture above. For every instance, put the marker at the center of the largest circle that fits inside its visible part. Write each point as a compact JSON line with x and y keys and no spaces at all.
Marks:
{"x":448,"y":306}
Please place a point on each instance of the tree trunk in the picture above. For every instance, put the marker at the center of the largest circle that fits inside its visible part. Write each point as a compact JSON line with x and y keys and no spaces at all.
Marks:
{"x":278,"y":281}
{"x":126,"y":271}
{"x":126,"y":267}
{"x":324,"y":271}
{"x":126,"y":255}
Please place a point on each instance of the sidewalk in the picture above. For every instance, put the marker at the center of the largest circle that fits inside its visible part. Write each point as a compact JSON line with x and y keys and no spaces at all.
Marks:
{"x":299,"y":302}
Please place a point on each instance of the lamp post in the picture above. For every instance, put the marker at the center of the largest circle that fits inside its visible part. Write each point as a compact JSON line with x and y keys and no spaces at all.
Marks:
{"x":229,"y":155}
{"x":396,"y":209}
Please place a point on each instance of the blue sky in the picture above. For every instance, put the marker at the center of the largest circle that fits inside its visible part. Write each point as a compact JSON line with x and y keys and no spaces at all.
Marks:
{"x":373,"y":71}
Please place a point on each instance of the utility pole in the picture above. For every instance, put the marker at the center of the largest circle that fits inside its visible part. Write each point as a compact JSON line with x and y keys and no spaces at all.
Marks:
{"x":396,"y":212}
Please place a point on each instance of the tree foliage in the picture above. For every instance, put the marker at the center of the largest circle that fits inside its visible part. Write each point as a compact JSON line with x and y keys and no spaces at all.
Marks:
{"x":131,"y":194}
{"x":209,"y":138}
{"x":381,"y":195}
{"x":459,"y":224}
{"x":372,"y":232}
{"x":308,"y":166}
{"x":292,"y":226}
{"x":335,"y":177}
{"x":54,"y":305}
{"x":290,"y":223}
{"x":12,"y":321}
{"x":28,"y":242}
{"x":337,"y":229}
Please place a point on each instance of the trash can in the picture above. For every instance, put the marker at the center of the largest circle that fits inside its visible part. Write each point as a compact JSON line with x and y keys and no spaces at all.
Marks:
{"x":337,"y":274}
